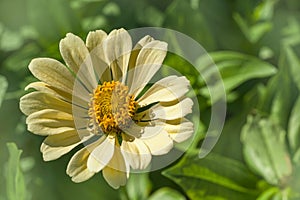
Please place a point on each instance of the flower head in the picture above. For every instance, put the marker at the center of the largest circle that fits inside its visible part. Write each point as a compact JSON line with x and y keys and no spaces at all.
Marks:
{"x":99,"y":99}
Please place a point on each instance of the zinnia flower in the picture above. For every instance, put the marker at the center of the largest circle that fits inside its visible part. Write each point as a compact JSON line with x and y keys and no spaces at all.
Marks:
{"x":100,"y":99}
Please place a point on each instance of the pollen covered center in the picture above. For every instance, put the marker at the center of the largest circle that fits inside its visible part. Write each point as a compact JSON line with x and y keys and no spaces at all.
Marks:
{"x":111,"y":107}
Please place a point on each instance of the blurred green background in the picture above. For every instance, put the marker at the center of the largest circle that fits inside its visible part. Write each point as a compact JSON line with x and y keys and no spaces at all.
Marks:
{"x":255,"y":44}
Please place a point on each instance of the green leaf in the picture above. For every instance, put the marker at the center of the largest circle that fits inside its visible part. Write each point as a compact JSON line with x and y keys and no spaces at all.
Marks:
{"x":138,"y":186}
{"x":284,"y":95}
{"x":265,"y":150}
{"x":235,"y":69}
{"x":54,"y":22}
{"x":176,"y":16}
{"x":294,"y":64}
{"x":214,"y":177}
{"x":3,"y":88}
{"x":15,"y":184}
{"x":255,"y":32}
{"x":294,"y":127}
{"x":166,"y":194}
{"x":10,"y":40}
{"x":268,"y":194}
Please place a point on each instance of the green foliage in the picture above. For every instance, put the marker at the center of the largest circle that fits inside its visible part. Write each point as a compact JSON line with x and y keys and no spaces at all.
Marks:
{"x":166,"y":194}
{"x":265,"y":150}
{"x":214,"y":177}
{"x":235,"y":69}
{"x":3,"y":87}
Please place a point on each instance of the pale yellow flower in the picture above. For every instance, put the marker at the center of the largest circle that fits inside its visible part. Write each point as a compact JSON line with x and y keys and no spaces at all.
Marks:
{"x":99,"y":100}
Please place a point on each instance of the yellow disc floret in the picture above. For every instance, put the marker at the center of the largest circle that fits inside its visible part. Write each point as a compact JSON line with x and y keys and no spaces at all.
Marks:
{"x":111,"y":107}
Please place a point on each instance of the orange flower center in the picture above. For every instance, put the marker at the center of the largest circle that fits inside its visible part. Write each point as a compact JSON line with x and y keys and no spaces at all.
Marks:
{"x":112,"y":108}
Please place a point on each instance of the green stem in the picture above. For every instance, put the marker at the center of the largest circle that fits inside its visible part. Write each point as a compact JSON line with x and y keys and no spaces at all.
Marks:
{"x":124,"y":193}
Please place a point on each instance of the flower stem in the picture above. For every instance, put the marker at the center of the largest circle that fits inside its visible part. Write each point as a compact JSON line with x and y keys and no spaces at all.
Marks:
{"x":124,"y":193}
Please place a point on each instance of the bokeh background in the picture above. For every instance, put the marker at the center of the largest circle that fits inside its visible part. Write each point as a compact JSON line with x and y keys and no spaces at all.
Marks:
{"x":255,"y":44}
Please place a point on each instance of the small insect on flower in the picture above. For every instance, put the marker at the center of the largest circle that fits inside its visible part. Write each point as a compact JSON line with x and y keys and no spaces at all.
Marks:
{"x":100,"y":99}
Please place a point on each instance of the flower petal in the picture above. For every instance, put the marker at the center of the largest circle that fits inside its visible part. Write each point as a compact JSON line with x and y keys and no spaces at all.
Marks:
{"x":136,"y":154}
{"x":77,"y":167}
{"x":45,"y":88}
{"x":53,"y":73}
{"x":170,"y":112}
{"x":115,"y":172}
{"x":36,"y":101}
{"x":179,"y":130}
{"x":117,"y":48}
{"x":77,"y":58}
{"x":133,"y":56}
{"x":167,"y":89}
{"x":148,"y":62}
{"x":50,"y":122}
{"x":94,"y":39}
{"x":159,"y":144}
{"x":101,"y":155}
{"x":95,"y":44}
{"x":73,"y":51}
{"x":54,"y":146}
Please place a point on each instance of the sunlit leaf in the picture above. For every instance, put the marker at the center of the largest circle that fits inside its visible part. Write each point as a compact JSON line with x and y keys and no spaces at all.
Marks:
{"x":268,"y":194}
{"x":265,"y":150}
{"x":214,"y":177}
{"x":235,"y":69}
